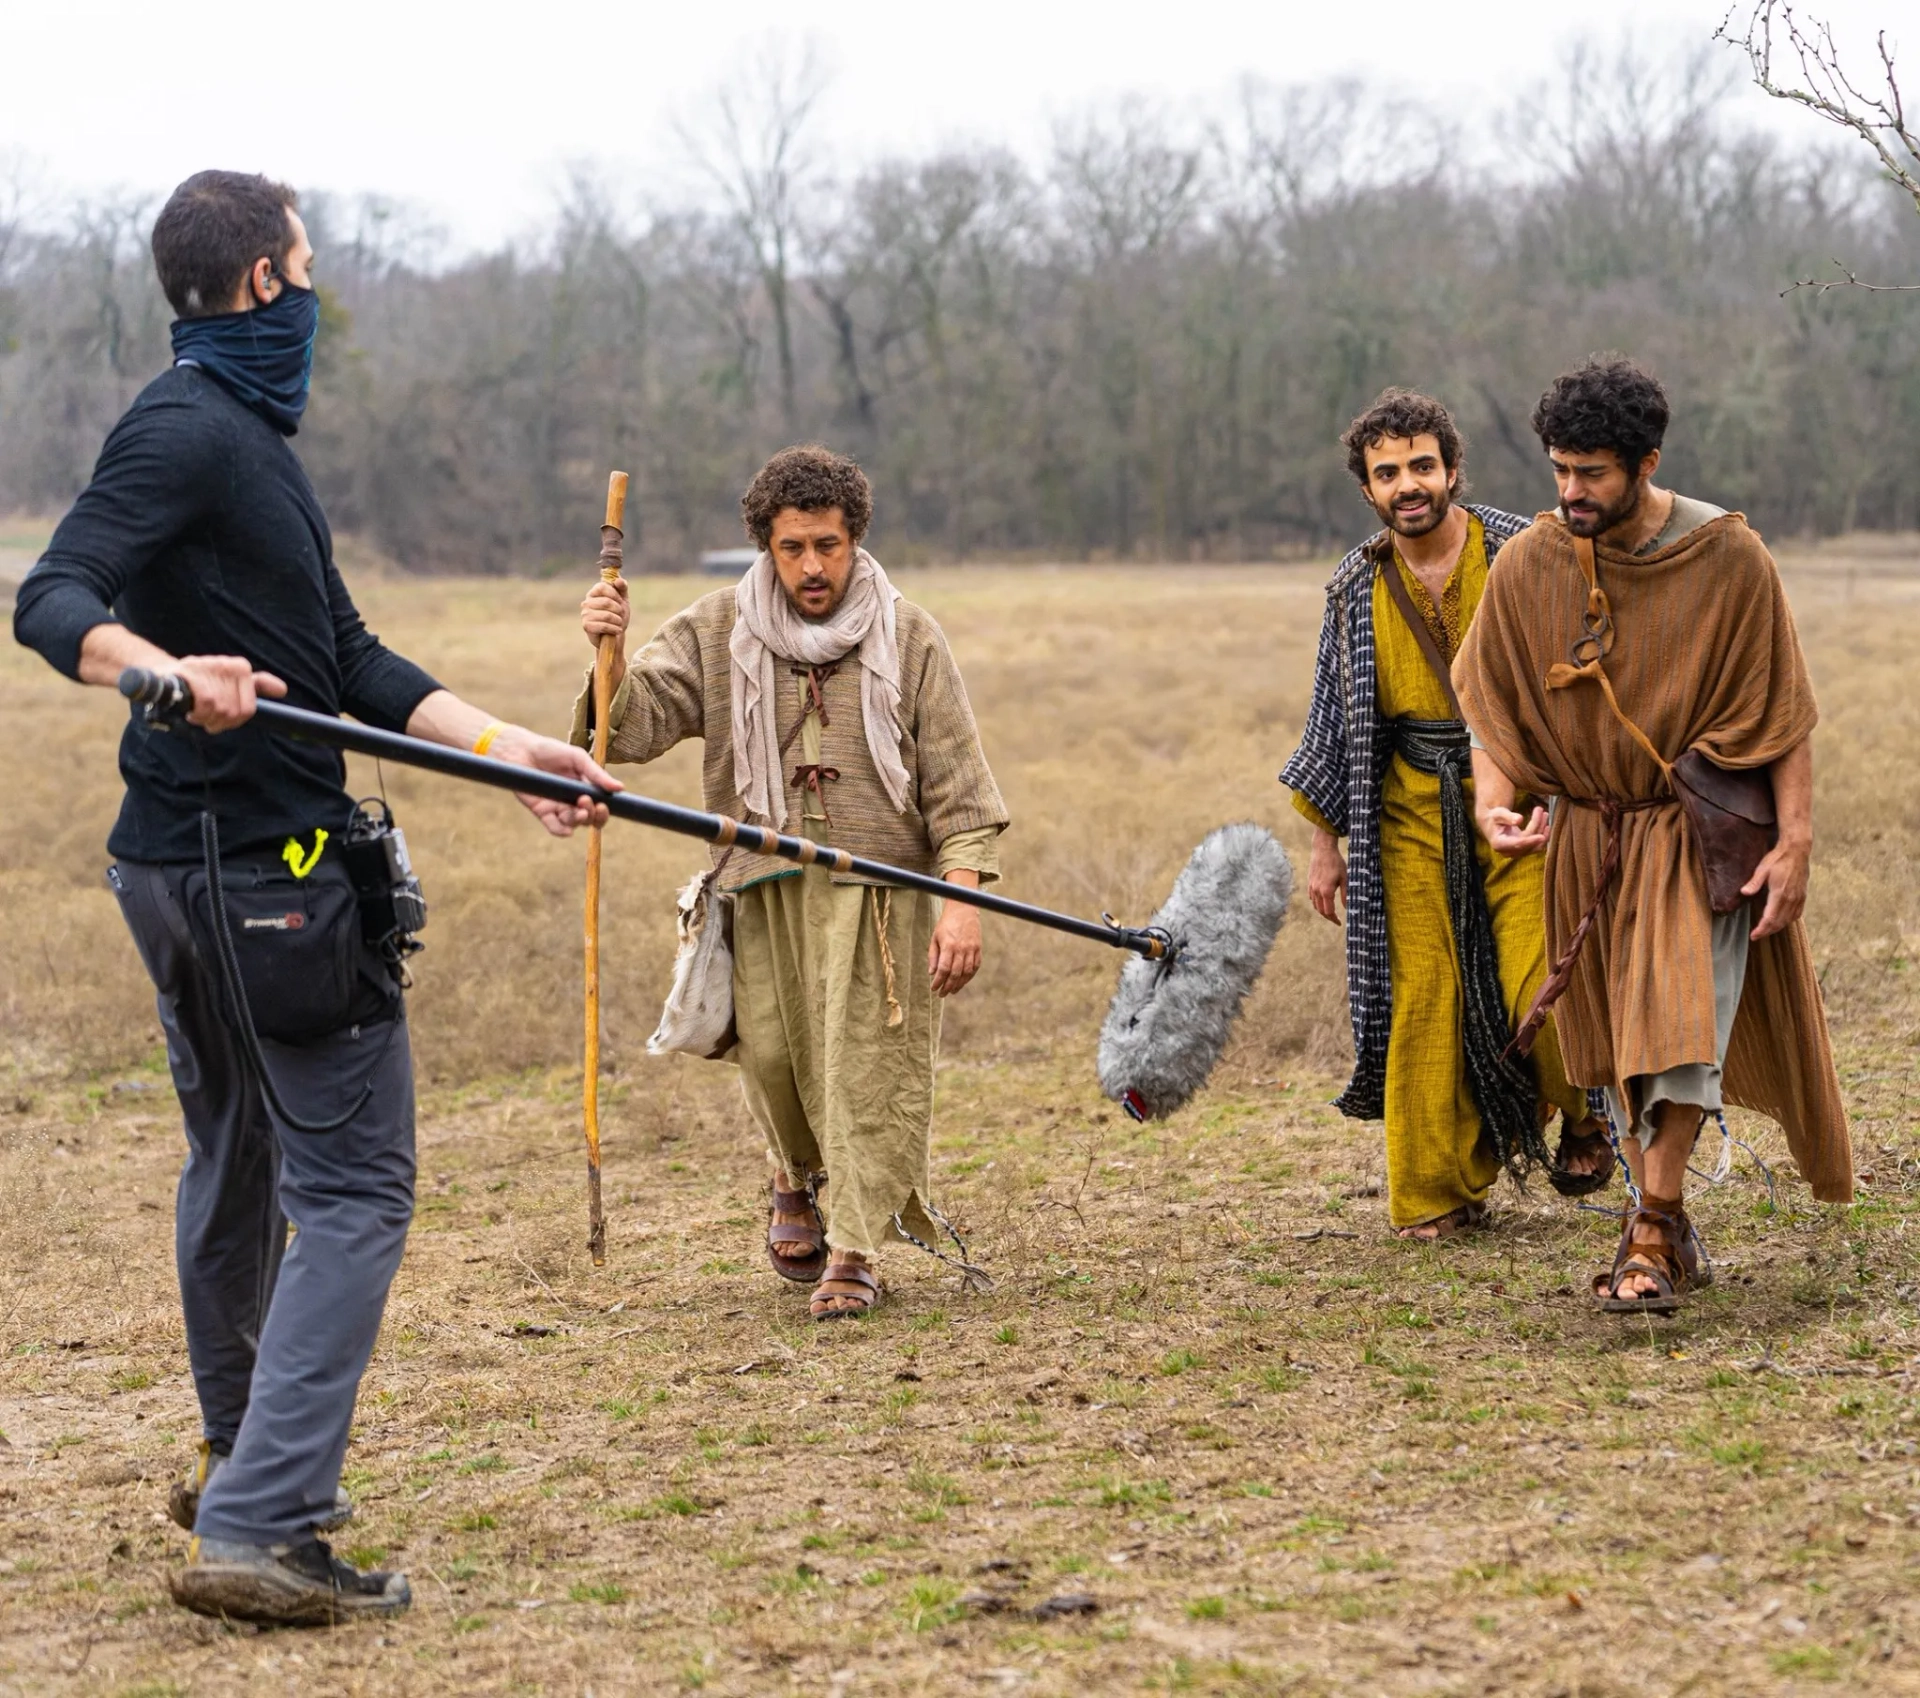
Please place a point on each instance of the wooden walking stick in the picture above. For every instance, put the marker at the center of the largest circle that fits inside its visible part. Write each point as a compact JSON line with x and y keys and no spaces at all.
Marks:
{"x":610,"y":560}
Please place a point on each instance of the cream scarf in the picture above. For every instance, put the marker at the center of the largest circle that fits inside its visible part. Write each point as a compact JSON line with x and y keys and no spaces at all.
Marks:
{"x":769,"y":629}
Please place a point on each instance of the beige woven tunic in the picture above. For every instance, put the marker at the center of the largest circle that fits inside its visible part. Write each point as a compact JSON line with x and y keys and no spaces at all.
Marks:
{"x":839,"y":1029}
{"x":1705,"y":657}
{"x":679,"y":685}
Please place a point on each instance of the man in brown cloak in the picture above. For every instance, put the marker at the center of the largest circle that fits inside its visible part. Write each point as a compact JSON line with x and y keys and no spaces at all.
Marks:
{"x":1670,"y":1007}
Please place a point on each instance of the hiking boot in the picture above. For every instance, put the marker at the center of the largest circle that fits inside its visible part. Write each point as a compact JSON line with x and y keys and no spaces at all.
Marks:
{"x":183,"y":1500}
{"x":302,"y":1585}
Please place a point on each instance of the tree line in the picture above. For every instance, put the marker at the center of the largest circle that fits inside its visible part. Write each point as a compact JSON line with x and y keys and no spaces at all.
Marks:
{"x":1139,"y":346}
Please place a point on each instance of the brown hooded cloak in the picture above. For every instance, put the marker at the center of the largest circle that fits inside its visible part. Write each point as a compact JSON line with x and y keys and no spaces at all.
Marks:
{"x":1705,"y":657}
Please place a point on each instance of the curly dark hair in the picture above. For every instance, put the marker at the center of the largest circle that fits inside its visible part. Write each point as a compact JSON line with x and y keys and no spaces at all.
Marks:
{"x":1402,"y":413}
{"x":1607,"y":403}
{"x":812,"y":479}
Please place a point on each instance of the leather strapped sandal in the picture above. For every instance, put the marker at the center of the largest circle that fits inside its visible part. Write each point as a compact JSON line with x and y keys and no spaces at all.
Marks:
{"x":1586,"y":1139}
{"x":850,"y":1289}
{"x":1672,"y":1261}
{"x":1469,"y":1217}
{"x":802,"y":1270}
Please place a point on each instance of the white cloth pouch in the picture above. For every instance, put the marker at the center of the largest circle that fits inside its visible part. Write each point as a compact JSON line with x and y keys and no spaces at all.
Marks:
{"x":698,"y":1017}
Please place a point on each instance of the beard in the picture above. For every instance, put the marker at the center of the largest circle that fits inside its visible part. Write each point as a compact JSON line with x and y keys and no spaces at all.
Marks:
{"x":1592,"y":524}
{"x":1419,"y":524}
{"x":810,"y":586}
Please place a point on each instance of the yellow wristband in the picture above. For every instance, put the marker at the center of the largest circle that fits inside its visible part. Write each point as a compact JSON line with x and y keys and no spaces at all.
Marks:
{"x":484,"y":741}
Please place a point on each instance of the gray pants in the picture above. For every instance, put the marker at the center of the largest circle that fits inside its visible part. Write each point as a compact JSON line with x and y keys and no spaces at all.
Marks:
{"x":278,"y":1334}
{"x":1695,"y":1084}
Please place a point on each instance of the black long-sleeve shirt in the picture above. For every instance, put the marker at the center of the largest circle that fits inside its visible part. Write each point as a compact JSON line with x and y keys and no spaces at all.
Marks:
{"x":201,"y":533}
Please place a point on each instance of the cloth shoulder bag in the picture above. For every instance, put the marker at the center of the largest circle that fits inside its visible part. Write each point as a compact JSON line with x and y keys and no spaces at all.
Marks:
{"x":1731,"y":809}
{"x":698,"y":1016}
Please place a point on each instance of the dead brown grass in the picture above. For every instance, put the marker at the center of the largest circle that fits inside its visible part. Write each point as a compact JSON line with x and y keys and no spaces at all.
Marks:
{"x":1281,"y":1452}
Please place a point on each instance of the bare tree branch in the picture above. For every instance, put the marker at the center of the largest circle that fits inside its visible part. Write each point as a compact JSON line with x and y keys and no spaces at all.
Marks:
{"x":1825,"y":88}
{"x":1847,"y":280}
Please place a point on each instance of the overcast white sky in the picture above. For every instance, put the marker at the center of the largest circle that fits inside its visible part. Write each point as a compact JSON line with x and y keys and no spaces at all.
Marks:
{"x":475,"y":111}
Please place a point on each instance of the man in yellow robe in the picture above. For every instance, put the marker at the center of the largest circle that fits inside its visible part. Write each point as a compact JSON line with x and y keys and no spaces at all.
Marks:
{"x":1444,"y":952}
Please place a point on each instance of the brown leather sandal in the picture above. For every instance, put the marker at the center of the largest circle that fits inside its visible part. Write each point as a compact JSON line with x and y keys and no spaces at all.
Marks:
{"x":853,"y":1283}
{"x":1588,"y":1138}
{"x":1674,"y":1262}
{"x":1469,"y":1217}
{"x":802,"y":1270}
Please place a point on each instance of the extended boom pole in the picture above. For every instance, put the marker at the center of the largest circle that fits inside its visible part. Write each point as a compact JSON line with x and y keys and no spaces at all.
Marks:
{"x":169,"y":696}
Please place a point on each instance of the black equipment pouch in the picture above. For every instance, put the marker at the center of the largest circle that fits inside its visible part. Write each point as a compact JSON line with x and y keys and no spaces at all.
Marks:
{"x":298,"y":947}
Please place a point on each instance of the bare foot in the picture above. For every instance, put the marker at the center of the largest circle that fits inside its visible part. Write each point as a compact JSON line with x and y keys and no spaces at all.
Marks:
{"x":1463,"y":1219}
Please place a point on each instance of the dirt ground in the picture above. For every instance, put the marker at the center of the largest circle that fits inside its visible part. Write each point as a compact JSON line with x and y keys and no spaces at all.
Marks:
{"x":1211,"y":1431}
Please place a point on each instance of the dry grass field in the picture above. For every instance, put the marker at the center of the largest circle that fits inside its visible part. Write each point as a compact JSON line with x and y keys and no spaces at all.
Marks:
{"x":1213,"y":1431}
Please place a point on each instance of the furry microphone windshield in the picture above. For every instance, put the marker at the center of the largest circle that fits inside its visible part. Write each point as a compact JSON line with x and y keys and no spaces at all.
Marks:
{"x":1170,"y":1019}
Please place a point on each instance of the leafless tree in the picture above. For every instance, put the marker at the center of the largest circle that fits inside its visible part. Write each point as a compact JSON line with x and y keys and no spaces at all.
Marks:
{"x":1142,"y":344}
{"x":753,"y":149}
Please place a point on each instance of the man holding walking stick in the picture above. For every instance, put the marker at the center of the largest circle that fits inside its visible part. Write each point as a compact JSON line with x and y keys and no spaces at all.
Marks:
{"x":831,"y":708}
{"x":199,"y":550}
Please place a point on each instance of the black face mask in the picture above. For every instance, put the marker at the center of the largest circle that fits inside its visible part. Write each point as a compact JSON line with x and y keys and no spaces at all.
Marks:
{"x":263,"y":357}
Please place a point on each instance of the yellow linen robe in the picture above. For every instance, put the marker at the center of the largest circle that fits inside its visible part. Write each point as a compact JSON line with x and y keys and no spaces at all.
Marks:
{"x":1436,"y":1160}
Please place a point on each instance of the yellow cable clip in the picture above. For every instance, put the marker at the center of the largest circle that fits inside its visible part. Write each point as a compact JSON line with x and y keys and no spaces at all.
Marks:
{"x":299,"y":861}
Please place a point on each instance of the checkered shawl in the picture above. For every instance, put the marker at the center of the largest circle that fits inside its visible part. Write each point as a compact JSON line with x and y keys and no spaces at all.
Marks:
{"x":1342,"y":757}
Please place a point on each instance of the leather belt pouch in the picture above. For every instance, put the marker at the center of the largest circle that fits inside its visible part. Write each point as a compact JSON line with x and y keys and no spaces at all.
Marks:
{"x":1734,"y":825}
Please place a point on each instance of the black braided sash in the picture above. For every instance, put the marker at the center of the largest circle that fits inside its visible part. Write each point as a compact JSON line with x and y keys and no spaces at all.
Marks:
{"x":1502,"y":1083}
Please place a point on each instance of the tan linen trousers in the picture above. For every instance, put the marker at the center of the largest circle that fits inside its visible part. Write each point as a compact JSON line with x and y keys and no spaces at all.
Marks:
{"x":832,"y":1086}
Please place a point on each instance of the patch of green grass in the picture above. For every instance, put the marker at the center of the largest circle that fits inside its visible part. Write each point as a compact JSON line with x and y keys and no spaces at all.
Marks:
{"x":897,"y":1402}
{"x":931,"y":1601}
{"x":721,"y":1265}
{"x":1008,"y":1334}
{"x":940,"y":1489}
{"x":1739,"y":1453}
{"x":1281,"y":1379}
{"x":1207,"y":1609}
{"x":1255,"y":1489}
{"x":606,"y":1592}
{"x":756,"y":1433}
{"x":131,"y":1379}
{"x":367,"y":1556}
{"x":469,"y":1623}
{"x":616,"y":1407}
{"x":491,"y":1463}
{"x":476,"y":1521}
{"x":1129,"y":1494}
{"x":1179,"y":1361}
{"x":1815,"y":1661}
{"x":934,"y":1320}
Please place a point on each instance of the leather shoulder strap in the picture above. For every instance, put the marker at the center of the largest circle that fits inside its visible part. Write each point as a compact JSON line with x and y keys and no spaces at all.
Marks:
{"x":1397,"y":589}
{"x":1600,"y":635}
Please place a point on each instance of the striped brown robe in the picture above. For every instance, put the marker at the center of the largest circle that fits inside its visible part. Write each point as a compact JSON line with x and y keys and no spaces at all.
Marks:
{"x":1706,"y":657}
